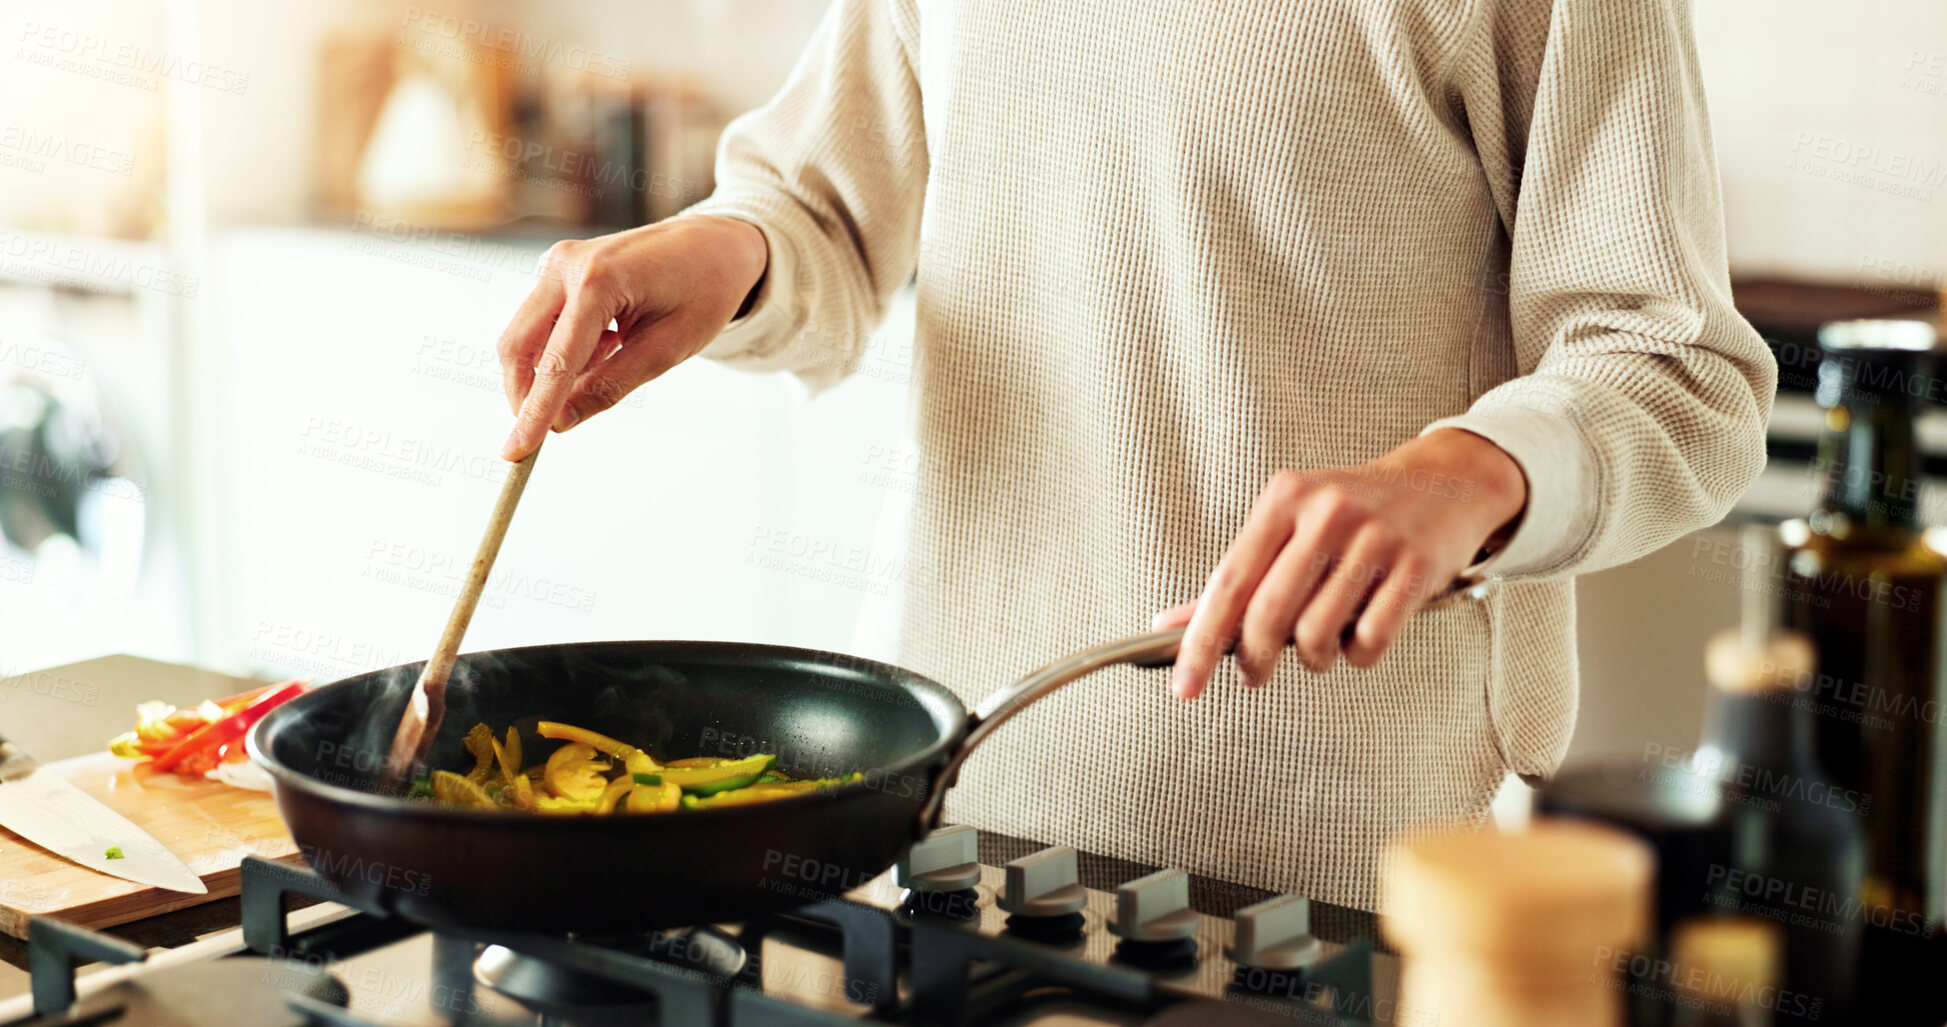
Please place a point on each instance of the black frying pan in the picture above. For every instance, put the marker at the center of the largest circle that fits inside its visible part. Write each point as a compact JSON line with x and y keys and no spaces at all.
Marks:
{"x":822,"y":713}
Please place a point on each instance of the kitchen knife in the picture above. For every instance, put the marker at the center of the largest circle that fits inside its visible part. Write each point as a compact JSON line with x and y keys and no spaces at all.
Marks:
{"x":48,"y":810}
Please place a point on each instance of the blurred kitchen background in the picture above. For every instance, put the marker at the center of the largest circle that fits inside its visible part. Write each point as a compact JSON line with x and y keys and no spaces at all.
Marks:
{"x":254,"y":258}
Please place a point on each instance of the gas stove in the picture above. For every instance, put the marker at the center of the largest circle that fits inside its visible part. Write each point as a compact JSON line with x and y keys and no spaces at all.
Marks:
{"x":966,"y":929}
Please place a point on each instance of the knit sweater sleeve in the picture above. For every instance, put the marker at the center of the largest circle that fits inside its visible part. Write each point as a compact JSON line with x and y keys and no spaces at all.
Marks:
{"x":1640,"y":405}
{"x":833,"y":171}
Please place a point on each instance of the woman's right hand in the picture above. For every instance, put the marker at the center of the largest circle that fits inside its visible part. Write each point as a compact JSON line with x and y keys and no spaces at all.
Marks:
{"x":669,"y":288}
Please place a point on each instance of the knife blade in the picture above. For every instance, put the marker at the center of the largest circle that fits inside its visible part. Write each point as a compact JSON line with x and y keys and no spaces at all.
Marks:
{"x":48,"y":810}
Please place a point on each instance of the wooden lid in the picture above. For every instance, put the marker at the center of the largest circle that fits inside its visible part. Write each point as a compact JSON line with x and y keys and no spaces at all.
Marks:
{"x":1552,"y":895}
{"x":1784,"y":661}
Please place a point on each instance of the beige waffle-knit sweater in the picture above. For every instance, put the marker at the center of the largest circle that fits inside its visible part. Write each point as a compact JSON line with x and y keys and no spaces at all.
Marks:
{"x":1164,"y":250}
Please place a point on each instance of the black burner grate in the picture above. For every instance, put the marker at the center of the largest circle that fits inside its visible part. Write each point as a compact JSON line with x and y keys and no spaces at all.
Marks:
{"x":952,"y":974}
{"x":682,"y":995}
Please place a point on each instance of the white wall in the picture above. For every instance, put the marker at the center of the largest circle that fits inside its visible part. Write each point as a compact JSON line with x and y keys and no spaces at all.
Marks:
{"x":1831,"y":128}
{"x":1830,"y":119}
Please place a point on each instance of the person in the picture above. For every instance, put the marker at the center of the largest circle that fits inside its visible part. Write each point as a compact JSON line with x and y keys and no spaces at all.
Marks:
{"x":1297,"y":312}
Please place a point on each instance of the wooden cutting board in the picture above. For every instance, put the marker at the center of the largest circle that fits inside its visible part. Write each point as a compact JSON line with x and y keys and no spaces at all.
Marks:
{"x":210,"y":826}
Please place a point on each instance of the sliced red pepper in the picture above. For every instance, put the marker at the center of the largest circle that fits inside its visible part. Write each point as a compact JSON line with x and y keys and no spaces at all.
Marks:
{"x":210,"y":739}
{"x":181,"y":721}
{"x":241,"y":699}
{"x":197,"y":764}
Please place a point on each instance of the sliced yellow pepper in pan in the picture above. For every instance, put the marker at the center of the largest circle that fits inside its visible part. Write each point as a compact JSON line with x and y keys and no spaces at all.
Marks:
{"x":662,"y":798}
{"x":599,"y":742}
{"x":454,"y":788}
{"x":512,"y":754}
{"x":479,"y":741}
{"x":573,"y":773}
{"x":613,"y":793}
{"x":552,"y":804}
{"x":574,"y":779}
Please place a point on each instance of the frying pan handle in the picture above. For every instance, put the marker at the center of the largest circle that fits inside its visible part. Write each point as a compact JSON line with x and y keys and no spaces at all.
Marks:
{"x":1153,"y":650}
{"x":1157,"y":649}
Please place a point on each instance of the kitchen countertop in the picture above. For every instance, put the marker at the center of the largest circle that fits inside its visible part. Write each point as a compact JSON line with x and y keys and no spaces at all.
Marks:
{"x":73,"y":710}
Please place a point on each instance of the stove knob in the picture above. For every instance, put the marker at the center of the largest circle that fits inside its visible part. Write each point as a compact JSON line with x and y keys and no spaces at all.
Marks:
{"x":1044,"y":884}
{"x":945,"y":860}
{"x":1275,"y":935}
{"x":1154,"y":908}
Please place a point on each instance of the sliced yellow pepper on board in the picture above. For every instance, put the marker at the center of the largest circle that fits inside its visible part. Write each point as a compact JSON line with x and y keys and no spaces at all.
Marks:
{"x":695,"y":761}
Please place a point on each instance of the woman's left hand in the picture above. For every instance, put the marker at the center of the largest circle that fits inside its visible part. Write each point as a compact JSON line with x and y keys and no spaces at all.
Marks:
{"x":1342,"y":557}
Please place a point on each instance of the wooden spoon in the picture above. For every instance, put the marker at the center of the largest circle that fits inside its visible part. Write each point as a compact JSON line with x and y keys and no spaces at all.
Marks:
{"x":420,"y":721}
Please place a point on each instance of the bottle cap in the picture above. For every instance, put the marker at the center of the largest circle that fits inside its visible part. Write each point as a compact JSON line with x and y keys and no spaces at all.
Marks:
{"x":1718,"y":956}
{"x":1784,"y":661}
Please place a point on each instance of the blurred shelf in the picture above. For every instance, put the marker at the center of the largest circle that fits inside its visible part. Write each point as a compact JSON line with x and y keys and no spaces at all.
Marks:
{"x":523,"y":232}
{"x":1791,"y":310}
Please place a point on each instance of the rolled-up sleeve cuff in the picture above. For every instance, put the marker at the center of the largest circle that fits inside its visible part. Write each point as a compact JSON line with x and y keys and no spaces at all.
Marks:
{"x":1561,"y":468}
{"x":770,"y":323}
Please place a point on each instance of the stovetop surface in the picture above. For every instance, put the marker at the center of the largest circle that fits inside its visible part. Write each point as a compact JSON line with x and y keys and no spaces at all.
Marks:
{"x":363,"y":970}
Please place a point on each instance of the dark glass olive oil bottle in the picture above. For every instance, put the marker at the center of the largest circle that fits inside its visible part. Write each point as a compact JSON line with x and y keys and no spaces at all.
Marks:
{"x":1793,"y":854}
{"x":1864,"y":583}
